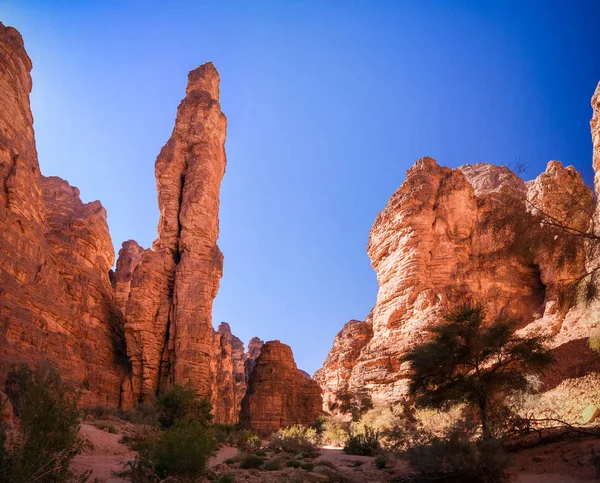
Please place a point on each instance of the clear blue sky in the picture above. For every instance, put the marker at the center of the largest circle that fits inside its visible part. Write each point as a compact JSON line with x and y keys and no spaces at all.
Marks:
{"x":328,"y":104}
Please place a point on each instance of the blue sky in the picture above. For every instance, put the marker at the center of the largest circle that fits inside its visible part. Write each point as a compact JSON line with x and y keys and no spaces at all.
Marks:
{"x":328,"y":104}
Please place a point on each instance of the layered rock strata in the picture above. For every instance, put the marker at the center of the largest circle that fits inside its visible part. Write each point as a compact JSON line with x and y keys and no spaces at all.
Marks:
{"x":169,"y":327}
{"x":56,"y":301}
{"x":448,"y":235}
{"x":279,"y":394}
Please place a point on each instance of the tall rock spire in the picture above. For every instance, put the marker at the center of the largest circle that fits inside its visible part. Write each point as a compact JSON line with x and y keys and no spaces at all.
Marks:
{"x":169,"y":311}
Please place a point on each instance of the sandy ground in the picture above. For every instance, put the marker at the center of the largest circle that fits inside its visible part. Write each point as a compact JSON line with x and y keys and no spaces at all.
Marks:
{"x":106,"y":456}
{"x":568,"y":461}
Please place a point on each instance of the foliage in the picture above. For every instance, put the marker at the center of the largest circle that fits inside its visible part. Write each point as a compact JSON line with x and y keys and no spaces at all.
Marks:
{"x":182,"y":449}
{"x":594,"y":341}
{"x":456,"y":458}
{"x":273,"y":465}
{"x":226,"y":479}
{"x":391,"y":421}
{"x":46,"y":439}
{"x":335,"y":430}
{"x":251,"y":461}
{"x":307,"y":466}
{"x":354,"y":403}
{"x":299,"y":440}
{"x":380,"y":461}
{"x":183,"y":403}
{"x":363,"y":444}
{"x":141,"y":414}
{"x":471,"y":360}
{"x":293,"y":464}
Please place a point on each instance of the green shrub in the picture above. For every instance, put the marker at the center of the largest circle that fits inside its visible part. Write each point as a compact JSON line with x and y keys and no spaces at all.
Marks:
{"x":251,"y":462}
{"x":329,"y":471}
{"x":47,"y":437}
{"x":233,"y":460}
{"x":248,"y":441}
{"x":225,"y":433}
{"x":293,"y":464}
{"x":273,"y":465}
{"x":307,"y":466}
{"x":335,"y":431}
{"x":183,"y":403}
{"x":457,"y":458}
{"x":381,"y":461}
{"x":363,"y":444}
{"x":183,"y":449}
{"x":226,"y":479}
{"x":327,"y":463}
{"x":106,"y":425}
{"x":141,"y":414}
{"x":298,"y":440}
{"x":392,"y":423}
{"x":99,"y":412}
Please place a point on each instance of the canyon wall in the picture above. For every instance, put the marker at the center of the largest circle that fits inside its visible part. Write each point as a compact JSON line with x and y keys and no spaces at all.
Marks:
{"x":448,"y":235}
{"x":56,"y":300}
{"x":279,"y":394}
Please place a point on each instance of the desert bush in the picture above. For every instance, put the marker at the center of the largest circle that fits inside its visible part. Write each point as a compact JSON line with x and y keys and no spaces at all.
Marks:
{"x":141,"y":414}
{"x":46,"y":440}
{"x":293,"y":464}
{"x":334,"y":430}
{"x":391,"y":421}
{"x":183,"y":449}
{"x":183,"y":403}
{"x":329,"y":471}
{"x":381,"y":461}
{"x":106,"y":425}
{"x":251,"y":461}
{"x":363,"y":444}
{"x":307,"y":466}
{"x":247,"y":441}
{"x":594,"y":340}
{"x":298,"y":440}
{"x":458,"y":458}
{"x":99,"y":412}
{"x":226,"y":479}
{"x":273,"y":465}
{"x":353,"y":403}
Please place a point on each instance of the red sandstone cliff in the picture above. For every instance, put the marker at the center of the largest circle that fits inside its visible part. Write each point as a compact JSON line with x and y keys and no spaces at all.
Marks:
{"x":56,"y":301}
{"x":441,"y":238}
{"x":279,"y":394}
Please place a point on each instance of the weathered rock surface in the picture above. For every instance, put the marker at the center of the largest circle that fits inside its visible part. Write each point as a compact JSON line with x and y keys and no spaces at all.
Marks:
{"x":130,"y":256}
{"x":279,"y":394}
{"x":56,"y":302}
{"x":230,"y":375}
{"x":337,"y":368}
{"x":169,"y":311}
{"x":439,"y":241}
{"x":254,"y":347}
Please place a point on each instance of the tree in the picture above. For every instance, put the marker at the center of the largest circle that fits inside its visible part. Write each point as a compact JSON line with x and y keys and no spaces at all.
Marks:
{"x":355,"y":403}
{"x":473,"y":360}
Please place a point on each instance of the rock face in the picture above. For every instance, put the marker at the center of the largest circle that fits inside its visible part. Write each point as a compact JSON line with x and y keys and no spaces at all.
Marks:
{"x":279,"y":395}
{"x":56,"y":301}
{"x":439,"y":241}
{"x":229,"y":368}
{"x":169,"y":311}
{"x":130,"y":256}
{"x":337,"y":368}
{"x":595,"y":127}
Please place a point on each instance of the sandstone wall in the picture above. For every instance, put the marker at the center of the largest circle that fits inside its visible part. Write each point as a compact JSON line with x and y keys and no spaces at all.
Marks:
{"x":56,"y":301}
{"x":446,"y":235}
{"x":279,"y":395}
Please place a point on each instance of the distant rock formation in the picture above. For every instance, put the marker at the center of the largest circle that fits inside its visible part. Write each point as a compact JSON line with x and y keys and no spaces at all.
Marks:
{"x":439,"y":241}
{"x":56,"y":301}
{"x":279,"y":394}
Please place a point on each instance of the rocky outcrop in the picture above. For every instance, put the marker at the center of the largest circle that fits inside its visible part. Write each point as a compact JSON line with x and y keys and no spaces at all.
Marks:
{"x":448,"y":235}
{"x":130,"y":256}
{"x":279,"y":395}
{"x":169,"y":311}
{"x":254,"y":347}
{"x":230,"y":375}
{"x":56,"y":301}
{"x":348,"y":344}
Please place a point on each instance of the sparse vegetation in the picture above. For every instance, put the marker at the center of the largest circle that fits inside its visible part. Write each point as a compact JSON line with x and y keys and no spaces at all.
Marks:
{"x":381,"y":461}
{"x":183,"y":403}
{"x":41,"y":447}
{"x":251,"y":461}
{"x":353,"y":403}
{"x":469,"y":359}
{"x":298,"y":440}
{"x":363,"y":444}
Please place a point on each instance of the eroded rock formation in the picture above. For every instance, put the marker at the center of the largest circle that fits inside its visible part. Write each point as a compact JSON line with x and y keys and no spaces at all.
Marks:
{"x":169,"y":312}
{"x":56,"y":301}
{"x":279,"y":394}
{"x":447,"y":235}
{"x":130,"y":256}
